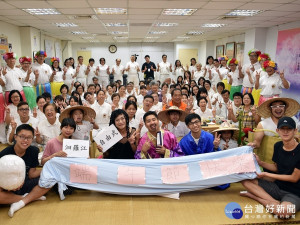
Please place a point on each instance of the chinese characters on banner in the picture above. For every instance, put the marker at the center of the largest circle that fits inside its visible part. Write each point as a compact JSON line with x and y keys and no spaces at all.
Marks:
{"x":76,"y":148}
{"x":175,"y":174}
{"x":83,"y":174}
{"x":131,"y":175}
{"x":108,"y":137}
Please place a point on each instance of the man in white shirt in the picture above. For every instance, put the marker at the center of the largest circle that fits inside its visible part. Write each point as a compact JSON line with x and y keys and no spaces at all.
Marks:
{"x":147,"y":104}
{"x":117,"y":70}
{"x":24,"y":118}
{"x":221,"y":106}
{"x":248,"y":69}
{"x":164,"y":68}
{"x":132,"y":67}
{"x":44,"y":72}
{"x":11,"y":76}
{"x":140,"y":97}
{"x":80,"y":72}
{"x":91,"y":71}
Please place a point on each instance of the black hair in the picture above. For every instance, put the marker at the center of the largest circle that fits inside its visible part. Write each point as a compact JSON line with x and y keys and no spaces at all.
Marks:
{"x":216,"y":60}
{"x":226,"y":91}
{"x":165,"y":84}
{"x":24,"y":127}
{"x":66,"y":61}
{"x":102,"y":59}
{"x":131,"y":96}
{"x":177,"y":60}
{"x":71,"y":58}
{"x":251,"y":98}
{"x":64,"y":86}
{"x":147,"y":56}
{"x":53,"y":69}
{"x":141,"y":81}
{"x":68,"y":122}
{"x":185,"y":88}
{"x":201,"y":90}
{"x":46,"y":95}
{"x":91,"y":60}
{"x":209,"y":57}
{"x":39,"y":97}
{"x":59,"y":98}
{"x":75,"y":99}
{"x":95,"y":78}
{"x":143,"y":87}
{"x":99,"y":91}
{"x":79,"y":57}
{"x":193,"y":59}
{"x":196,"y":86}
{"x":190,"y":117}
{"x":80,"y":86}
{"x":148,"y":96}
{"x":148,"y":114}
{"x":93,"y":85}
{"x":11,"y":93}
{"x":164,"y":55}
{"x":87,"y":93}
{"x":79,"y":98}
{"x":201,"y":78}
{"x":181,"y":80}
{"x":207,"y":81}
{"x":185,"y":95}
{"x":129,"y":103}
{"x":200,"y":98}
{"x":176,"y":89}
{"x":21,"y":103}
{"x":117,"y":113}
{"x":114,"y":95}
{"x":172,"y":86}
{"x":239,"y":94}
{"x":221,"y":84}
{"x":47,"y":104}
{"x":190,"y":78}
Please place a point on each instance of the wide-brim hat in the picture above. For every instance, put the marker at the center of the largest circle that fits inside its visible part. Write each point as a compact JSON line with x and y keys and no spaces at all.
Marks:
{"x":164,"y":115}
{"x":87,"y":112}
{"x":227,"y":126}
{"x":292,"y":107}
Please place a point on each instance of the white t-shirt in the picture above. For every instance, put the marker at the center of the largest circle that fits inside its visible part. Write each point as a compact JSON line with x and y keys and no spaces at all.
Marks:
{"x":133,"y":66}
{"x":58,"y":77}
{"x":103,"y":113}
{"x":45,"y":72}
{"x":12,"y":79}
{"x":204,"y":115}
{"x":246,"y":81}
{"x":49,"y":131}
{"x":271,"y":85}
{"x":164,"y":68}
{"x":103,"y":70}
{"x":118,"y":74}
{"x":180,"y":130}
{"x":82,"y":69}
{"x":236,"y":80}
{"x":31,"y":80}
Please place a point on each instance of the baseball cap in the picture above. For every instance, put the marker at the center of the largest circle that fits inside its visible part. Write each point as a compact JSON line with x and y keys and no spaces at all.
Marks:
{"x":286,"y":122}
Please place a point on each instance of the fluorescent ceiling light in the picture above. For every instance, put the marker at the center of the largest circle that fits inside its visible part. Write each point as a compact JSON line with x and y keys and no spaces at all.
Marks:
{"x":88,"y":38}
{"x":183,"y":37}
{"x":178,"y":12}
{"x":118,"y":32}
{"x":66,"y":24}
{"x":213,"y":25}
{"x":117,"y":38}
{"x":165,"y":24}
{"x":194,"y":32}
{"x":94,"y":41}
{"x":115,"y":24}
{"x":244,"y":12}
{"x":152,"y":37}
{"x":110,"y":11}
{"x":78,"y":32}
{"x":42,"y":11}
{"x":157,"y":32}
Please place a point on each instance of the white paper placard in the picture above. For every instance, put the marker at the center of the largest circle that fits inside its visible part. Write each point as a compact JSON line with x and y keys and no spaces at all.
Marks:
{"x":108,"y":137}
{"x":76,"y":148}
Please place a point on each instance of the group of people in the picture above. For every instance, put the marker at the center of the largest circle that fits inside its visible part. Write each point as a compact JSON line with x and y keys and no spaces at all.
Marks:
{"x":79,"y":101}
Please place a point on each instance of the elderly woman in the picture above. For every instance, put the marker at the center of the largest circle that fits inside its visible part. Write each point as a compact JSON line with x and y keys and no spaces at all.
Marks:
{"x":103,"y":110}
{"x":234,"y":77}
{"x":271,"y":85}
{"x":11,"y":111}
{"x":126,"y":147}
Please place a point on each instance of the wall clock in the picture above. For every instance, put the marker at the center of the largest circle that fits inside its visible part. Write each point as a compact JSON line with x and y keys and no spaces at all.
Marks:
{"x":112,"y":48}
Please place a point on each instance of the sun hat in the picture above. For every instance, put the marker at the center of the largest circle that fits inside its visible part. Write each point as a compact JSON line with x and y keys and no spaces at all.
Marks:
{"x":165,"y":117}
{"x":87,"y":111}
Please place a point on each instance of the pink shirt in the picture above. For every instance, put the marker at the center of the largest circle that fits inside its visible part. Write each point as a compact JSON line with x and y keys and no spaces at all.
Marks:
{"x":52,"y":146}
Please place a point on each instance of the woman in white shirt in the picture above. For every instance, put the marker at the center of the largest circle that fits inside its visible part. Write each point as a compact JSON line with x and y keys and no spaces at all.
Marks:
{"x":178,"y":71}
{"x":103,"y":73}
{"x":209,"y":65}
{"x":215,"y":75}
{"x":14,"y":98}
{"x":56,"y":78}
{"x":224,"y":71}
{"x":91,"y":71}
{"x":234,"y":77}
{"x":69,"y":73}
{"x":102,"y":109}
{"x":39,"y":112}
{"x":192,"y":67}
{"x":122,"y":93}
{"x":271,"y":85}
{"x":131,"y":108}
{"x":198,"y":72}
{"x":203,"y":111}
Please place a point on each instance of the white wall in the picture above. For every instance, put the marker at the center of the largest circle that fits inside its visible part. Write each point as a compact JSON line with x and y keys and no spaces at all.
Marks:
{"x":13,"y":35}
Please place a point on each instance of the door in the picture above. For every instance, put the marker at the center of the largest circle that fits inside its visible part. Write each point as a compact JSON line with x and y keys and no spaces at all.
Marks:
{"x":86,"y":56}
{"x":185,"y":55}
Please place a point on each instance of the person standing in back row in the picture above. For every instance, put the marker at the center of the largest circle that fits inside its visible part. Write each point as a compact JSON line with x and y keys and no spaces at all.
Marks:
{"x":148,"y":69}
{"x":133,"y":68}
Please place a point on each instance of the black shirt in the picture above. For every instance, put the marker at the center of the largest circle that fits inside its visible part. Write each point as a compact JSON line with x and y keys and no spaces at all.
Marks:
{"x":120,"y":151}
{"x":148,"y":73}
{"x":30,"y":157}
{"x":286,"y":162}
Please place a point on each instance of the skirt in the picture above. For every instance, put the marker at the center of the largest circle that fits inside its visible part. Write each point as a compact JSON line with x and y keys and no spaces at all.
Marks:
{"x":246,"y":90}
{"x":2,"y":108}
{"x":262,"y":99}
{"x":7,"y":96}
{"x":30,"y":96}
{"x":41,"y":88}
{"x":256,"y":95}
{"x":227,"y":85}
{"x":235,"y":89}
{"x":55,"y":88}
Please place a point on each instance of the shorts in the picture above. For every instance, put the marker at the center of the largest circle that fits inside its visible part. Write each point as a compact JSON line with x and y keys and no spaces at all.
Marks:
{"x":28,"y":185}
{"x":283,"y":196}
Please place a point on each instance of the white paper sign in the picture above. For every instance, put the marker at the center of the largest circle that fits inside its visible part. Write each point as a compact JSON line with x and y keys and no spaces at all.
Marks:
{"x":76,"y":148}
{"x":108,"y":137}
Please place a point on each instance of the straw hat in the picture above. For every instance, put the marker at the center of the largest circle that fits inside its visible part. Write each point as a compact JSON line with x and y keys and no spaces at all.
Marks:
{"x":164,"y":115}
{"x":292,"y":107}
{"x":227,"y":126}
{"x":87,"y":111}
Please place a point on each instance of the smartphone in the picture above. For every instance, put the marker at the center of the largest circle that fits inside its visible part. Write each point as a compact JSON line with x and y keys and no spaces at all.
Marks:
{"x":159,"y":139}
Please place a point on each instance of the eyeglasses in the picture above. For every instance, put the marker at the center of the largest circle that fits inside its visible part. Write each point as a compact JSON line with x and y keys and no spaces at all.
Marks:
{"x":195,"y":122}
{"x":252,"y":56}
{"x":23,"y":138}
{"x":15,"y":96}
{"x":24,"y":109}
{"x":237,"y":98}
{"x":277,"y":106}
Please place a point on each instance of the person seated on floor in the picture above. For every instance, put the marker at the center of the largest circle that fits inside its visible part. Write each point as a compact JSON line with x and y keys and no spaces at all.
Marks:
{"x":22,"y":148}
{"x":227,"y":132}
{"x":199,"y":141}
{"x":126,"y":147}
{"x":272,"y":110}
{"x":150,"y":147}
{"x":283,"y":192}
{"x":173,"y":118}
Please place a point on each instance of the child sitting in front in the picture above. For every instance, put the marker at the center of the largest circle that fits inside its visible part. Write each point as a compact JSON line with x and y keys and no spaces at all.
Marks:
{"x":227,"y":132}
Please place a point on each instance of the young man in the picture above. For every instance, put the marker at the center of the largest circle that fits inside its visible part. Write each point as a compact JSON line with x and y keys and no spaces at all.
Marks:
{"x":80,"y":72}
{"x":148,"y":69}
{"x":91,"y":71}
{"x":22,"y":148}
{"x":148,"y":147}
{"x":24,"y":118}
{"x":89,"y":98}
{"x":284,"y":193}
{"x":147,"y":104}
{"x":140,"y":97}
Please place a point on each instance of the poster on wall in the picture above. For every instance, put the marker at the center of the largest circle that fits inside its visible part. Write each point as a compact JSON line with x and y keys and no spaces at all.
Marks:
{"x":58,"y":52}
{"x":239,"y":52}
{"x":3,"y":49}
{"x":230,"y":47}
{"x":219,"y":51}
{"x":288,"y":59}
{"x":49,"y":48}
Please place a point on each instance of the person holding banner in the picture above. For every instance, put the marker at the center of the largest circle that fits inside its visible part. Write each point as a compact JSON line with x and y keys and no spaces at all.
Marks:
{"x":283,"y":192}
{"x":126,"y":147}
{"x":157,"y":143}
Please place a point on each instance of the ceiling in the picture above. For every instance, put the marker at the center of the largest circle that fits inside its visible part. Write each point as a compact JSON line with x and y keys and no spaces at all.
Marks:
{"x":143,"y":14}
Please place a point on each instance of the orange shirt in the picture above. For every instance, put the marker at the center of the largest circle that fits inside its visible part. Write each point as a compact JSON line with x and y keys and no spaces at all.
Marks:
{"x":182,"y":105}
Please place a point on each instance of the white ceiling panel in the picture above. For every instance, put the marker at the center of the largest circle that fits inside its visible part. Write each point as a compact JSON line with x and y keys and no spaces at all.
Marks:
{"x":108,"y":4}
{"x":4,"y":5}
{"x":30,"y":4}
{"x":223,"y":5}
{"x":260,"y":6}
{"x":69,"y":4}
{"x":288,"y":7}
{"x":83,"y":11}
{"x":10,"y":12}
{"x":210,"y":12}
